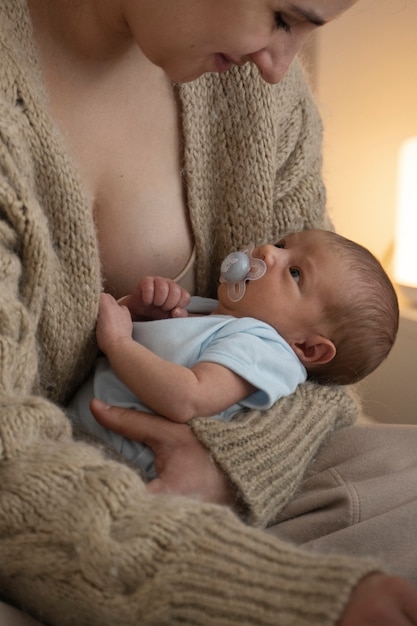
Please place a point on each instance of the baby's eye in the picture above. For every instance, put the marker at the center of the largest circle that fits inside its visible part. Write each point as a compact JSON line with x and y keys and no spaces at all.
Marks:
{"x":280,"y":244}
{"x":295,"y":273}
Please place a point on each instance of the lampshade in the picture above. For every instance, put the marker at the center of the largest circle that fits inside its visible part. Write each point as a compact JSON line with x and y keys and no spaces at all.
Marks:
{"x":405,"y":258}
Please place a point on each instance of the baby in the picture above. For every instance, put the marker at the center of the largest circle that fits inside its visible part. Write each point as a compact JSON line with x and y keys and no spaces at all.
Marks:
{"x":315,"y":305}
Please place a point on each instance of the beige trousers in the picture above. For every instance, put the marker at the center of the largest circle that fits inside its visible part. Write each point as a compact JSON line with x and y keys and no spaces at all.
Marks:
{"x":359,"y":497}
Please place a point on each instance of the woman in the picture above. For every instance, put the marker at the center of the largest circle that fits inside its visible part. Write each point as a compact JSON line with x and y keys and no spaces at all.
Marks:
{"x":94,"y":161}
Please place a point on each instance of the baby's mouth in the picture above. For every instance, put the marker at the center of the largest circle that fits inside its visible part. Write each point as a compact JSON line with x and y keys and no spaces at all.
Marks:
{"x":238,"y":268}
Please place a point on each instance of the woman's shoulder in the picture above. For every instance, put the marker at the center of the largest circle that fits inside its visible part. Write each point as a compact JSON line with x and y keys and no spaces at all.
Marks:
{"x":18,"y":61}
{"x":15,"y":28}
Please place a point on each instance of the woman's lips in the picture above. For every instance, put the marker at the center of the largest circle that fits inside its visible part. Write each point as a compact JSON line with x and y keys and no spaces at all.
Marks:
{"x":222,"y":62}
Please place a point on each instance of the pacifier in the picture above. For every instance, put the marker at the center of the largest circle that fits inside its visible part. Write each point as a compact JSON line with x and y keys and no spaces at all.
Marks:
{"x":237,"y":268}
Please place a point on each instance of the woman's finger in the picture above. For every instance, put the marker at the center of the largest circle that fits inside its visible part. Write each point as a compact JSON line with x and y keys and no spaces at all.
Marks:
{"x":139,"y":426}
{"x":183,"y":465}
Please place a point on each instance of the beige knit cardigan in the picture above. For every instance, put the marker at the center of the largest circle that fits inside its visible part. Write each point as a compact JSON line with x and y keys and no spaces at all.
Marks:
{"x":81,"y":541}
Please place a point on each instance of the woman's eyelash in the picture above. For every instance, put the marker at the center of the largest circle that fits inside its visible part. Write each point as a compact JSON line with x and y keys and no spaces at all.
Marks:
{"x":280,"y":23}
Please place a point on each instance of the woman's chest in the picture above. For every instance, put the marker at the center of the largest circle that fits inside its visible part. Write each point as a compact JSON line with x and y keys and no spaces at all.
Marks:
{"x":123,"y":134}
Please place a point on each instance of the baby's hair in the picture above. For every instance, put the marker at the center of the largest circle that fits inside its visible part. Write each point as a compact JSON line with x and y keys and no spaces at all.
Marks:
{"x":363,"y":317}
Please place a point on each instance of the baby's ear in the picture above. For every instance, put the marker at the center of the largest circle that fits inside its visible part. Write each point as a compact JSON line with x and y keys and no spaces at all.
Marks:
{"x":316,"y":350}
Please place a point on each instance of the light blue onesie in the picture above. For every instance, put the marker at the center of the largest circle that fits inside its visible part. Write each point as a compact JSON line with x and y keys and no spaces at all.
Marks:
{"x":250,"y":348}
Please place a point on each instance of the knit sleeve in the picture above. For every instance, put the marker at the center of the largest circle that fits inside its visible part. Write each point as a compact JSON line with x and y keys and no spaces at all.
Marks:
{"x":266,"y":453}
{"x":83,"y":543}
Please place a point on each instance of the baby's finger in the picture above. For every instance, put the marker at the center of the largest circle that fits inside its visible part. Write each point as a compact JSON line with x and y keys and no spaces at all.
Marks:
{"x":146,"y":289}
{"x":179,"y":312}
{"x":177,"y":298}
{"x":162,"y":290}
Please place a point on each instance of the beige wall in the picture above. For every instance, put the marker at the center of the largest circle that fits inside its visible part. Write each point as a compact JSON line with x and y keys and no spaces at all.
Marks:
{"x":366,"y":82}
{"x":390,"y":393}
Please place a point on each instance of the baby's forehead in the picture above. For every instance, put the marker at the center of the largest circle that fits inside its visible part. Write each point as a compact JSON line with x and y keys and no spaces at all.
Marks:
{"x":309,"y":234}
{"x":314,"y":240}
{"x":326,"y":256}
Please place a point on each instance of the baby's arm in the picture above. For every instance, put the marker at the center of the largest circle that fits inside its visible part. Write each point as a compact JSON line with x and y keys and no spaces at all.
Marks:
{"x":169,"y":389}
{"x":157,"y":298}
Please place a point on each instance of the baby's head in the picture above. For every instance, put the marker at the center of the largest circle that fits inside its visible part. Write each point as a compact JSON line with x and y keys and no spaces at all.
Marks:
{"x":362,"y":315}
{"x":329,"y":298}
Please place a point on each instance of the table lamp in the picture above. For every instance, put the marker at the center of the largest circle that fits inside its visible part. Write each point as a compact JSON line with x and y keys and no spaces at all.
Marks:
{"x":405,"y":257}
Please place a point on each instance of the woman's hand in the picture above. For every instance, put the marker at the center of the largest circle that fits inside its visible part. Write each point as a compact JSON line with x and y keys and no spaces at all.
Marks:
{"x":381,"y":600}
{"x":184,"y":466}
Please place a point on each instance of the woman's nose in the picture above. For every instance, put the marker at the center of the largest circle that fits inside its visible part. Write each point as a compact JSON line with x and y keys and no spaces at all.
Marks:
{"x":274,"y":60}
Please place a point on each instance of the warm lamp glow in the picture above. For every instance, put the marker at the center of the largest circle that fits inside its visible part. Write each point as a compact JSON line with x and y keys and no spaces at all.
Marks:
{"x":405,"y":261}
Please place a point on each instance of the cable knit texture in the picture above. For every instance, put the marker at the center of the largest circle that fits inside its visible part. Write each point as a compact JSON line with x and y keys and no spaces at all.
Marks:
{"x":81,"y":541}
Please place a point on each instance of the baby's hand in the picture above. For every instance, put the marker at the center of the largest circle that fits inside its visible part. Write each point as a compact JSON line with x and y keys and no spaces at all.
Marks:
{"x":114,"y":324}
{"x":157,"y":298}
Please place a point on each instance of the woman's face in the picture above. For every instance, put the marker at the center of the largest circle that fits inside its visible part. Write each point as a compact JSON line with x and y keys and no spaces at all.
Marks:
{"x":188,"y":38}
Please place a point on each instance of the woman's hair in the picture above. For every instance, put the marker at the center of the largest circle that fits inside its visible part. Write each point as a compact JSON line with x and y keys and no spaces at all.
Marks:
{"x":363,"y":317}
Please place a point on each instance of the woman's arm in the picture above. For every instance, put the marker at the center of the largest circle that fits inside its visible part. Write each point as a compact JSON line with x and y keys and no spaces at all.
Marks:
{"x":177,"y":392}
{"x":373,"y":599}
{"x":265,"y":454}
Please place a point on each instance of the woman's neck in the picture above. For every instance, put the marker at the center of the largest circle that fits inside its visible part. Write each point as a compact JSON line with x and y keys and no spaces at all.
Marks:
{"x":87,"y":30}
